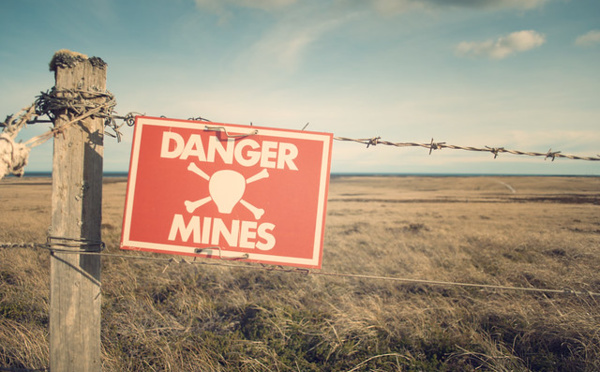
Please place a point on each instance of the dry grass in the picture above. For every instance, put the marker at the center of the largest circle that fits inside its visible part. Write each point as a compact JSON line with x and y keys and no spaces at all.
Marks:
{"x":546,"y":234}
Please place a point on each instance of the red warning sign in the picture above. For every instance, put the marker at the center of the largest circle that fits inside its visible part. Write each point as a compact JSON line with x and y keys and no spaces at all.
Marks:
{"x":228,"y":191}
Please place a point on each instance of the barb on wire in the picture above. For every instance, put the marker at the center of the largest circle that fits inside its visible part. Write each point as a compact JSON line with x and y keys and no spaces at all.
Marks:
{"x":373,"y":141}
{"x":442,"y":145}
{"x":551,"y":154}
{"x":111,"y":122}
{"x":435,"y":146}
{"x":495,"y":150}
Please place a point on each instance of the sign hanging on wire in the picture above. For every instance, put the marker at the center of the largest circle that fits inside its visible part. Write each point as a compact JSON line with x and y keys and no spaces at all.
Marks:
{"x":228,"y":191}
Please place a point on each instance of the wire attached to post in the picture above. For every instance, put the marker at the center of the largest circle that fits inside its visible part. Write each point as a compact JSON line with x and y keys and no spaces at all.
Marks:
{"x":73,"y":245}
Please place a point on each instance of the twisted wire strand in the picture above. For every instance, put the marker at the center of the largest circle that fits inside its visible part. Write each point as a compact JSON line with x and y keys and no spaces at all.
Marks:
{"x":442,"y":145}
{"x":79,"y":103}
{"x":76,"y":102}
{"x":101,"y":104}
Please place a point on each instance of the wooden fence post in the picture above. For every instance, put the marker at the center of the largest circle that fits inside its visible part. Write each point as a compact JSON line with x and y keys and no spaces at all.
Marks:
{"x":76,"y":218}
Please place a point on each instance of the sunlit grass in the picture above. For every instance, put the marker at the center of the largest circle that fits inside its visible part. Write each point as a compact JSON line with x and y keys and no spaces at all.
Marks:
{"x":184,"y":317}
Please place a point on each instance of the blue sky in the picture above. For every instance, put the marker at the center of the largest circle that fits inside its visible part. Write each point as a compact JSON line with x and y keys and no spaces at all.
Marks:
{"x":519,"y":74}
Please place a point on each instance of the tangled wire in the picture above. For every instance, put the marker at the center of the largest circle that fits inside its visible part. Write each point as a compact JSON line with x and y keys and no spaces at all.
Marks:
{"x":80,"y":103}
{"x":75,"y":103}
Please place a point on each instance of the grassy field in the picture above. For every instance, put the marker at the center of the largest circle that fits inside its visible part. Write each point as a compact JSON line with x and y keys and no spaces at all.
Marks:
{"x":532,"y":232}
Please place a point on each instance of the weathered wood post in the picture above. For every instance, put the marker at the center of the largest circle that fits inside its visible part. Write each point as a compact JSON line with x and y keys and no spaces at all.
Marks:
{"x":76,"y":218}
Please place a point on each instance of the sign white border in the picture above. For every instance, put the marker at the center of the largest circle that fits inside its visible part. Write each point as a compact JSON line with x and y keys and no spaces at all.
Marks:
{"x":314,"y":262}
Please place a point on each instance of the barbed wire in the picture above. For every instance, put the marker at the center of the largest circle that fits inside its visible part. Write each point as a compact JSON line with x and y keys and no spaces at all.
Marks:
{"x":373,"y":141}
{"x":302,"y":271}
{"x":442,"y":145}
{"x":80,"y":104}
{"x":87,"y":103}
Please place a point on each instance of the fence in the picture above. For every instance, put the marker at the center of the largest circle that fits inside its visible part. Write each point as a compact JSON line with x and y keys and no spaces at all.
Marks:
{"x":81,"y":109}
{"x":15,"y":154}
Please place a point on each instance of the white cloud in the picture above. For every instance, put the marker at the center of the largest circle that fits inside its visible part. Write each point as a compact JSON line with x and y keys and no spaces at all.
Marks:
{"x":220,"y":5}
{"x":225,"y":8}
{"x":589,"y":39}
{"x":491,"y":4}
{"x":283,"y":47}
{"x":387,"y":7}
{"x":288,"y":45}
{"x":401,"y":6}
{"x":502,"y":47}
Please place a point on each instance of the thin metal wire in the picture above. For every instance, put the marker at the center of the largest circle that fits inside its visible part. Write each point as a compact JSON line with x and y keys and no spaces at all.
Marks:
{"x":18,"y":245}
{"x":303,"y":271}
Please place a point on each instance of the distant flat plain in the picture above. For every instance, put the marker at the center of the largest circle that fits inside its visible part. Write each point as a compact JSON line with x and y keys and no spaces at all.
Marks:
{"x":525,"y":232}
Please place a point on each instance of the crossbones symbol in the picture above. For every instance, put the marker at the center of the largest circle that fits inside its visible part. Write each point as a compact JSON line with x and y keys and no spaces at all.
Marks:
{"x":226,"y":188}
